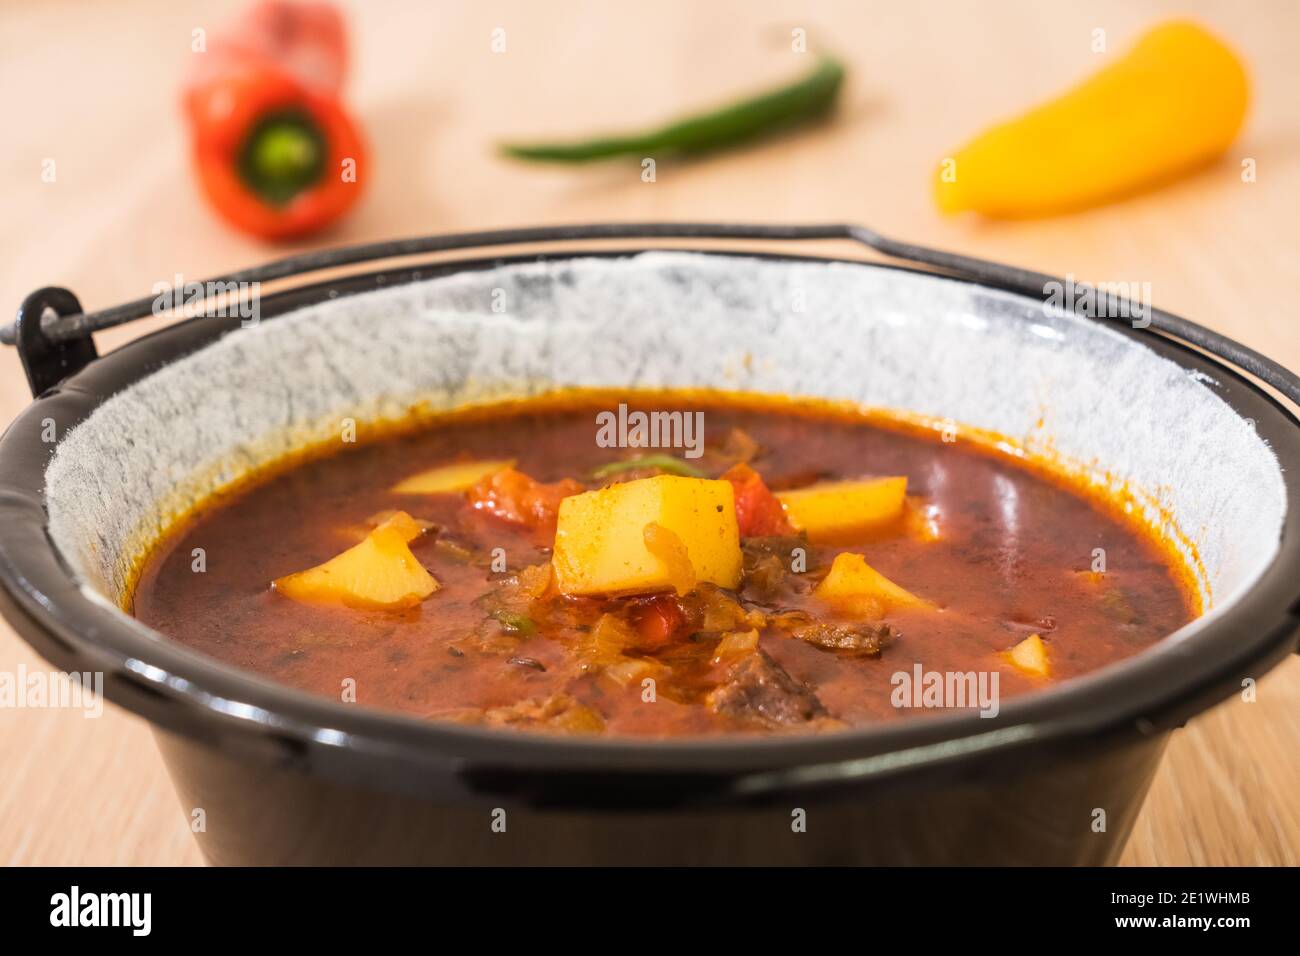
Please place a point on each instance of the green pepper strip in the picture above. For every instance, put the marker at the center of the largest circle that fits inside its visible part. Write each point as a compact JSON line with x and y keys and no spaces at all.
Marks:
{"x":515,"y":623}
{"x":805,"y":99}
{"x":674,"y":466}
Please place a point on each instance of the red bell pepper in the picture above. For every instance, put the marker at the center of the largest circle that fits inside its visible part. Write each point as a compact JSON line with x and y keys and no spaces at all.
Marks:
{"x":276,"y":154}
{"x":758,"y":512}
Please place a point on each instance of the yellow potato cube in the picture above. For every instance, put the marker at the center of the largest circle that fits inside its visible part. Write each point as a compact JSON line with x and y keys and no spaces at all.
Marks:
{"x":401,"y":522}
{"x":853,"y":582}
{"x":380,"y":572}
{"x":602,"y":545}
{"x":1030,"y":657}
{"x":445,"y":479}
{"x":841,"y":509}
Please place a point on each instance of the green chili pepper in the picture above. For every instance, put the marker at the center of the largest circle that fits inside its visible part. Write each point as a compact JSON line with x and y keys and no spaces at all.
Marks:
{"x":674,"y":466}
{"x":805,"y":99}
{"x":513,"y":623}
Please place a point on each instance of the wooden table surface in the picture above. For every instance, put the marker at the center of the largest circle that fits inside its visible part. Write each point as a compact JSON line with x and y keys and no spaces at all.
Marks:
{"x":93,"y":87}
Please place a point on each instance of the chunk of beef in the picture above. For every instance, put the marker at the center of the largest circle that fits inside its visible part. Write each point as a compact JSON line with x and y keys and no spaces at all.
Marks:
{"x":757,"y":690}
{"x":775,"y":545}
{"x":858,"y":639}
{"x":764,"y":579}
{"x":766,"y":571}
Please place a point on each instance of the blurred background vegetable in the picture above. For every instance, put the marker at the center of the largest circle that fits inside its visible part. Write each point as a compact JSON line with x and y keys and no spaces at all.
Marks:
{"x":1173,"y":103}
{"x":808,"y":98}
{"x":277,"y":155}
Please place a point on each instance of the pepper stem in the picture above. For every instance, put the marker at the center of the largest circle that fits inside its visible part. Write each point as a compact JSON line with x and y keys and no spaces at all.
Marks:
{"x":283,"y":156}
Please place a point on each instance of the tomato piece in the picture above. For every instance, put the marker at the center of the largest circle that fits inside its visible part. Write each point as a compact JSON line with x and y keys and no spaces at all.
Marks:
{"x":658,"y":621}
{"x":758,"y":512}
{"x":513,"y":496}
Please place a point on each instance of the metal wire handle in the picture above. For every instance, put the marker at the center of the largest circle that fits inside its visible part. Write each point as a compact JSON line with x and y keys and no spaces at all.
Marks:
{"x":61,"y":332}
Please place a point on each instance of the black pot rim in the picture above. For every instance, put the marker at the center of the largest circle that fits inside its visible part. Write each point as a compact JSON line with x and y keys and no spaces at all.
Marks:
{"x":189,"y":693}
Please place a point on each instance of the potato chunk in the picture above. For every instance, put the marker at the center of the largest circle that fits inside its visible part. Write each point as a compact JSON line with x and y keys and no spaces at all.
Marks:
{"x":854,"y":584}
{"x":401,"y":522}
{"x":840,"y":509}
{"x":602,"y":546}
{"x":445,"y":479}
{"x":1030,"y":657}
{"x":380,"y":572}
{"x":410,"y":528}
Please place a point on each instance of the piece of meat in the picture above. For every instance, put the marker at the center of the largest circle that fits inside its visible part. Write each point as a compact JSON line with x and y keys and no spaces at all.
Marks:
{"x":559,"y":712}
{"x":763,"y":579}
{"x":766,"y":572}
{"x":757,"y":690}
{"x":774,"y":545}
{"x":858,"y":639}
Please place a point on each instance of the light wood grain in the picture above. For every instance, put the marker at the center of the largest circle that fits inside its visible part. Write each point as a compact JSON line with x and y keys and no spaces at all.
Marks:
{"x":92,"y":86}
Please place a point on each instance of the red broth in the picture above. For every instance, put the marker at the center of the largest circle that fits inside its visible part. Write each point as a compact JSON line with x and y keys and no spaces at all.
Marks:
{"x":1010,"y":561}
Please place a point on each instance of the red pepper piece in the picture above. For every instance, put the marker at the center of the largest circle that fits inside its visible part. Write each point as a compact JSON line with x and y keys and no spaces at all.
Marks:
{"x":276,"y":154}
{"x":658,"y":620}
{"x":758,"y":512}
{"x":513,"y":496}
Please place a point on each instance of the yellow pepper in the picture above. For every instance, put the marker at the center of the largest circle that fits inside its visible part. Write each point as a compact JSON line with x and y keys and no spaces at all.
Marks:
{"x":1174,"y":102}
